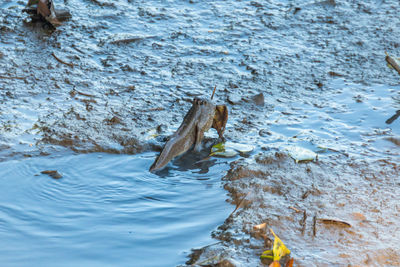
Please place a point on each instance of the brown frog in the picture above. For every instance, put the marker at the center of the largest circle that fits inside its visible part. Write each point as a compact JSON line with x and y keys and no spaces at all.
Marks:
{"x":203,"y":115}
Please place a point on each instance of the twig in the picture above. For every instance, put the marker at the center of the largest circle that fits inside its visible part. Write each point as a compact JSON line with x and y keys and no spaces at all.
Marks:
{"x":394,"y":117}
{"x":295,"y":209}
{"x":303,"y":222}
{"x":131,"y":40}
{"x":212,"y":96}
{"x":205,"y":159}
{"x":61,"y":61}
{"x":240,"y":204}
{"x":74,"y":92}
{"x":315,"y":225}
{"x":154,"y":109}
{"x":12,"y":77}
{"x":336,"y":222}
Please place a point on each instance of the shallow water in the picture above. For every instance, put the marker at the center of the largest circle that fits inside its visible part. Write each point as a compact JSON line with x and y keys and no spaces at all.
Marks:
{"x":106,"y":209}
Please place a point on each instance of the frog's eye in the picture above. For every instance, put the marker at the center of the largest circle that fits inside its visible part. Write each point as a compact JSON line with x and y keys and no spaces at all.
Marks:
{"x":201,"y":102}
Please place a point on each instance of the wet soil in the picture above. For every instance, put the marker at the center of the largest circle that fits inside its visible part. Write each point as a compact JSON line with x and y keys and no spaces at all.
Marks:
{"x":278,"y":192}
{"x":134,"y":66}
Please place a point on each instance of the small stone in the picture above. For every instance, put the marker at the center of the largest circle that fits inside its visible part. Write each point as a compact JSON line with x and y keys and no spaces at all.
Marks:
{"x":264,"y":133}
{"x":258,"y":99}
{"x":52,"y":173}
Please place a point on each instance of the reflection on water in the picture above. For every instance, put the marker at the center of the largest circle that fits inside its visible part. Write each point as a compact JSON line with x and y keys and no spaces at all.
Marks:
{"x":106,"y":209}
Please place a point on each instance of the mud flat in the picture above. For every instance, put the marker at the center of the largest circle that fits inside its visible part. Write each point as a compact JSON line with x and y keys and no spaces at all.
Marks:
{"x":279,"y":191}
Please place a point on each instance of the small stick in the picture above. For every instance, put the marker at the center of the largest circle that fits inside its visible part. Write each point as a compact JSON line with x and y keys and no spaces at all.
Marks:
{"x":315,"y":225}
{"x":392,"y":62}
{"x":303,"y":222}
{"x":240,"y":204}
{"x":61,"y":61}
{"x":15,"y":77}
{"x":212,"y":96}
{"x":295,"y":209}
{"x":394,"y":117}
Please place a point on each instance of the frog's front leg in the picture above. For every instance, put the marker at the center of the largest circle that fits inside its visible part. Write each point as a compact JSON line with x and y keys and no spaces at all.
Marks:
{"x":199,"y":134}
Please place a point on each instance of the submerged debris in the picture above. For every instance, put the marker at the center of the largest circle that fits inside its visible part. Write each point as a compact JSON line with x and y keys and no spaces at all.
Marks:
{"x":52,"y":173}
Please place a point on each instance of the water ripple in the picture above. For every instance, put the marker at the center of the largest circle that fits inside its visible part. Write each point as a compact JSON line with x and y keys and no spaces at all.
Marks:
{"x":110,"y":198}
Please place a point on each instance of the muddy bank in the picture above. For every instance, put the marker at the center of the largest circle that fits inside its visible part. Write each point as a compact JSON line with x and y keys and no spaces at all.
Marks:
{"x":279,"y":191}
{"x":134,"y":74}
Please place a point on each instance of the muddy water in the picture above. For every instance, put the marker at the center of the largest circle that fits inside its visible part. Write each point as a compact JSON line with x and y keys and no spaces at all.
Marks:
{"x":105,"y":210}
{"x":136,"y":65}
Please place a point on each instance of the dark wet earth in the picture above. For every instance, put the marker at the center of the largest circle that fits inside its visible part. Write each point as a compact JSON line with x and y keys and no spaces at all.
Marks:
{"x":133,"y":68}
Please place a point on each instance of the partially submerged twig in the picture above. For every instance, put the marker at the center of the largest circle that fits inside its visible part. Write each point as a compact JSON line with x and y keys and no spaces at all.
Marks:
{"x":392,"y":62}
{"x":212,"y":96}
{"x":61,"y":61}
{"x":394,"y":117}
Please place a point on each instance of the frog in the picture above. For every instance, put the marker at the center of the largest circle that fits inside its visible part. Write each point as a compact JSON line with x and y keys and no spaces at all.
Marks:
{"x":202,"y":116}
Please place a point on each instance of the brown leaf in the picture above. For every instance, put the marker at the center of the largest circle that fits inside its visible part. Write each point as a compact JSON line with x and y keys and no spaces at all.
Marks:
{"x":275,"y":264}
{"x":220,"y":119}
{"x":290,"y":263}
{"x":260,"y":226}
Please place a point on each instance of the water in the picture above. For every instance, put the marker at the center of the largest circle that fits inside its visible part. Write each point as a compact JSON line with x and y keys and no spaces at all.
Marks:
{"x":105,"y":210}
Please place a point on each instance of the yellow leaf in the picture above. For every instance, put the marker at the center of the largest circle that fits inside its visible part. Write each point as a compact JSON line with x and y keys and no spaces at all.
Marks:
{"x":279,"y":249}
{"x":268,"y":254}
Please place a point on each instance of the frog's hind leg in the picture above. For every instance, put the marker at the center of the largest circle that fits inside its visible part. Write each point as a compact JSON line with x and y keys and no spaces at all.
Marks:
{"x":198,"y":138}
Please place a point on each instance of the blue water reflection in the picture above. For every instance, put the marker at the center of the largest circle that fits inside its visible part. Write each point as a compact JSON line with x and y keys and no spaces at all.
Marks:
{"x":105,"y":210}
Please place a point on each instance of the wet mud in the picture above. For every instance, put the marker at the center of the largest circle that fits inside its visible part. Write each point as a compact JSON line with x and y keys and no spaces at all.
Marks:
{"x":277,"y":191}
{"x":309,"y":73}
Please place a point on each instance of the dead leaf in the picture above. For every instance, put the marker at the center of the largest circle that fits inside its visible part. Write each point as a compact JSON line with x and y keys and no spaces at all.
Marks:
{"x":260,"y":226}
{"x":290,"y":263}
{"x":275,"y":264}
